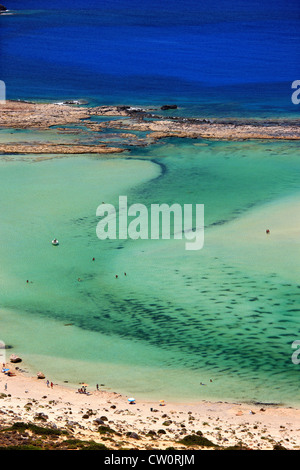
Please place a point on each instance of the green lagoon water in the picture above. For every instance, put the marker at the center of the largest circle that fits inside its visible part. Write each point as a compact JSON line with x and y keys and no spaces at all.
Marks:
{"x":179,"y":318}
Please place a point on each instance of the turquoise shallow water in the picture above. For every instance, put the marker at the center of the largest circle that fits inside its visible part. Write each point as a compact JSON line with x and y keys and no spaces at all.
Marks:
{"x":225,"y":316}
{"x":178,"y":318}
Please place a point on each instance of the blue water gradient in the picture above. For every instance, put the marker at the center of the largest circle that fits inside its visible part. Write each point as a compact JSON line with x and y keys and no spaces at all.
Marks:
{"x":230,"y":57}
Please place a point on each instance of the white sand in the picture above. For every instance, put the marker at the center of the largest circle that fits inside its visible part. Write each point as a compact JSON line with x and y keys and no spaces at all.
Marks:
{"x":245,"y":241}
{"x":226,"y":424}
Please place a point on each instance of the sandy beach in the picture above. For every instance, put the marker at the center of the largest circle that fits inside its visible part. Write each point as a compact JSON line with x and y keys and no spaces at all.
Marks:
{"x":108,"y":418}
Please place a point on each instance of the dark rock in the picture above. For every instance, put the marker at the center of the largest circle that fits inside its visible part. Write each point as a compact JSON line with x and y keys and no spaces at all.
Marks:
{"x":14,"y":358}
{"x":279,"y":447}
{"x":133,"y":435}
{"x":3,"y":8}
{"x":75,"y":102}
{"x":123,"y":108}
{"x":161,"y":431}
{"x":168,"y":106}
{"x":98,"y":421}
{"x":72,"y":423}
{"x":167,"y":423}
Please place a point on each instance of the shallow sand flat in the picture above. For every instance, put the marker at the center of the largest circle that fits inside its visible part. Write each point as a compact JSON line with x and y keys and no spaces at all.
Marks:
{"x":248,"y":237}
{"x":225,"y":424}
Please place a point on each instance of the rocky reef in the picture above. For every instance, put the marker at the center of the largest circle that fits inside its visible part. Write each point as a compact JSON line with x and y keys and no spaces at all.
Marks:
{"x":135,"y":127}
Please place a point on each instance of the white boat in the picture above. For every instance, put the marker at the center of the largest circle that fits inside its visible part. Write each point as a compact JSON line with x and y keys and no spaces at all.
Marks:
{"x":55,"y":242}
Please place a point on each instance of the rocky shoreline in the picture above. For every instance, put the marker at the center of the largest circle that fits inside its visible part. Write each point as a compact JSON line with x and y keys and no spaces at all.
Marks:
{"x":36,"y":414}
{"x":23,"y":115}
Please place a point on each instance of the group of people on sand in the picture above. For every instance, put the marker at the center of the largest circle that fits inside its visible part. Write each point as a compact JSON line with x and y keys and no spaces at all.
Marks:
{"x":82,"y":390}
{"x":6,"y":371}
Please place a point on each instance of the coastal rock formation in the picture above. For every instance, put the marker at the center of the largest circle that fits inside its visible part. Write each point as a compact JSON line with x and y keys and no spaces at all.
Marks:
{"x":63,"y":149}
{"x":2,"y":8}
{"x":44,"y":116}
{"x":60,"y":418}
{"x":14,"y":358}
{"x":77,"y":102}
{"x":40,"y":375}
{"x":217,"y":129}
{"x":27,"y":115}
{"x":168,"y":106}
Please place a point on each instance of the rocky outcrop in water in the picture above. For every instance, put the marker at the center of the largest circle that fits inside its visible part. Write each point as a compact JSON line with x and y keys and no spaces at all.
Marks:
{"x":14,"y":358}
{"x":2,"y":8}
{"x":43,"y":116}
{"x":168,"y":106}
{"x":62,"y":149}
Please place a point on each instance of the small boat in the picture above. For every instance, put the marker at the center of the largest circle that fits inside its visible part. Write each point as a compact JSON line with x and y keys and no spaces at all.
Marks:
{"x":55,"y":242}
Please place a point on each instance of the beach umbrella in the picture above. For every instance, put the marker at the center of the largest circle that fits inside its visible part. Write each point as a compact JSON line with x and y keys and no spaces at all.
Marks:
{"x":131,"y":400}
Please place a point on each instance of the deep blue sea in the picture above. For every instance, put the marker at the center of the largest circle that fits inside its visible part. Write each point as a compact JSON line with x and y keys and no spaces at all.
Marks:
{"x":224,"y":57}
